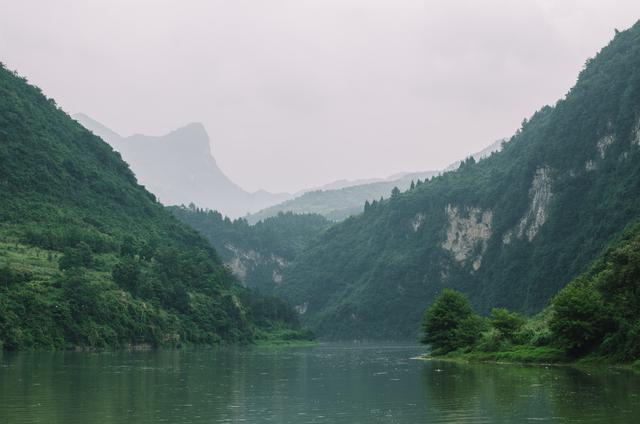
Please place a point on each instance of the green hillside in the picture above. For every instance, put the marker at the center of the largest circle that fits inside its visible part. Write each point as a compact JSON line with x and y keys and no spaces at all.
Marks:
{"x":257,"y":254}
{"x":594,"y":318}
{"x":89,"y":258}
{"x":509,"y":230}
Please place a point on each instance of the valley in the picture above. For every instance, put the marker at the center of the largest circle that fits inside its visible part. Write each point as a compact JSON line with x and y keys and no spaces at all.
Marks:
{"x":139,"y":282}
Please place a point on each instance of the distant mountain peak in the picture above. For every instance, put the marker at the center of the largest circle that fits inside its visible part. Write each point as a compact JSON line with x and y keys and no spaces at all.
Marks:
{"x":179,"y":168}
{"x":193,"y":130}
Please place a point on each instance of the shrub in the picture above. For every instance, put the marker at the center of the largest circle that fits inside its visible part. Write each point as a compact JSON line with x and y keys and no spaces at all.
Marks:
{"x":80,"y":256}
{"x":506,"y":323}
{"x":450,"y":323}
{"x":580,"y":318}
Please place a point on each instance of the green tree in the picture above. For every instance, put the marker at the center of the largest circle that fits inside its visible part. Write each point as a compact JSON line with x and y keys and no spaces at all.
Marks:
{"x":127,"y":275}
{"x":80,"y":256}
{"x":506,"y":323}
{"x":450,"y":323}
{"x":579,"y":320}
{"x":81,"y":292}
{"x":128,"y":247}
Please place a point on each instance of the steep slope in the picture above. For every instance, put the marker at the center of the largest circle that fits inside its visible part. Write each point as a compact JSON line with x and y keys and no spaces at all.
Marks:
{"x":90,"y":258}
{"x":509,"y":231}
{"x":179,"y":169}
{"x":342,"y":199}
{"x":257,"y":254}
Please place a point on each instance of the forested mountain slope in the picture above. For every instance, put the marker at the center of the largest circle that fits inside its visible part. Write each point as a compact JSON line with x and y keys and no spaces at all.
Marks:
{"x":89,"y":258}
{"x":510,"y":230}
{"x":257,"y":254}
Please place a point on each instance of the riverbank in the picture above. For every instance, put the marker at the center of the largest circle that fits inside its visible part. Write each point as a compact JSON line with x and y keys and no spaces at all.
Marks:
{"x":529,"y":355}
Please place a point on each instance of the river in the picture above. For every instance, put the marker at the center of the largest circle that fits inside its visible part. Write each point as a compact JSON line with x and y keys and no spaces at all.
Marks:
{"x":327,"y":383}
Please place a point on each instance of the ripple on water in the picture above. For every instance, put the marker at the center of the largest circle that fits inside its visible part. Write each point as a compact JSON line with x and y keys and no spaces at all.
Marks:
{"x":333,"y":383}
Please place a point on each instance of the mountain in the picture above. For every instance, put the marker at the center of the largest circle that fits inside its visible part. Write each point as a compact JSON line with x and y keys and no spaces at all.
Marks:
{"x":257,"y":254}
{"x":341,"y":199}
{"x":179,"y":169}
{"x":89,"y":258}
{"x":344,"y":183}
{"x":509,"y":230}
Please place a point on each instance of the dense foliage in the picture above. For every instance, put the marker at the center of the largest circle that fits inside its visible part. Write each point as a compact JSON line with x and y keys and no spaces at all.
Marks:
{"x":596,"y":315}
{"x":509,"y":230}
{"x":600,"y":311}
{"x":258,"y":253}
{"x":90,"y":258}
{"x":450,"y":323}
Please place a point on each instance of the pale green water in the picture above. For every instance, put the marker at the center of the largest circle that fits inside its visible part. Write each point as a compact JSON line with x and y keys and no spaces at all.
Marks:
{"x":323,"y":384}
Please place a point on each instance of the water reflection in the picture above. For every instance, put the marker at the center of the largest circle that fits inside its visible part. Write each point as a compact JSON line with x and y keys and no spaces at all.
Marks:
{"x":324,"y":384}
{"x":514,"y":393}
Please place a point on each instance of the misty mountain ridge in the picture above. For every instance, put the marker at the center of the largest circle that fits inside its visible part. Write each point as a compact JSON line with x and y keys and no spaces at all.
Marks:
{"x":179,"y":168}
{"x":343,"y":198}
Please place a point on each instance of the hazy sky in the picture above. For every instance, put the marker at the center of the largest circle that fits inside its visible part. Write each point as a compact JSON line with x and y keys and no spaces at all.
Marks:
{"x":297,"y":93}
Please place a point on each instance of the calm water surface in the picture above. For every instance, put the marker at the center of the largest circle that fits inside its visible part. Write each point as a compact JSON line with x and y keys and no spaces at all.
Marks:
{"x":332,"y":383}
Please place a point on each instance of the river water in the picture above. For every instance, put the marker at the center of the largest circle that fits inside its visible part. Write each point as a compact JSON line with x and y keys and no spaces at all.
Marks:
{"x":327,"y":383}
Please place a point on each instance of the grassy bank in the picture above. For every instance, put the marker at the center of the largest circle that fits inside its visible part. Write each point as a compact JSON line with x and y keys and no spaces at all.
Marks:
{"x":275,"y":334}
{"x":533,"y":355}
{"x":593,"y":320}
{"x":515,"y":354}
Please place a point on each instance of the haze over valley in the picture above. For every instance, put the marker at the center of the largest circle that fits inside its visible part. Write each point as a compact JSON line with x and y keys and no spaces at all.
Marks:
{"x":335,"y":212}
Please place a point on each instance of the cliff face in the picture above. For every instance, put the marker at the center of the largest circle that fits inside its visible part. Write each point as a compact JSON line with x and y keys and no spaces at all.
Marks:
{"x":509,"y":230}
{"x":536,"y":215}
{"x":257,"y":254}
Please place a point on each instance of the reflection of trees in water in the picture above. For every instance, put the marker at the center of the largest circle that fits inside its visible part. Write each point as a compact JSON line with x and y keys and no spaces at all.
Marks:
{"x":504,"y":393}
{"x":109,"y":387}
{"x":212,"y":385}
{"x":609,"y":394}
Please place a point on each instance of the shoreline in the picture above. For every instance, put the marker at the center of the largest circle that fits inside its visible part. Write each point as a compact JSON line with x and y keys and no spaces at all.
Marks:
{"x":599,"y":363}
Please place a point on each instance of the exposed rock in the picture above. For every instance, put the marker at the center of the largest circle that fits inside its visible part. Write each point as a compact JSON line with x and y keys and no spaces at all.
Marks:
{"x":282,"y":262}
{"x":417,"y":222}
{"x":302,"y":309}
{"x":603,"y":143}
{"x":467,"y":231}
{"x":241,"y":261}
{"x":635,"y":135}
{"x":477,"y":263}
{"x":276,"y":277}
{"x":238,"y":268}
{"x":540,"y":195}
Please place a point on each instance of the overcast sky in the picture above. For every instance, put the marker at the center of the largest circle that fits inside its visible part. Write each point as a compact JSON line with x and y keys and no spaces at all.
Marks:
{"x":297,"y":93}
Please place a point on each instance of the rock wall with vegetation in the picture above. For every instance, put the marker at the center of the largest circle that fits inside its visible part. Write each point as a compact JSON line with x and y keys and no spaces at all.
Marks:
{"x":509,"y":231}
{"x":257,"y":254}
